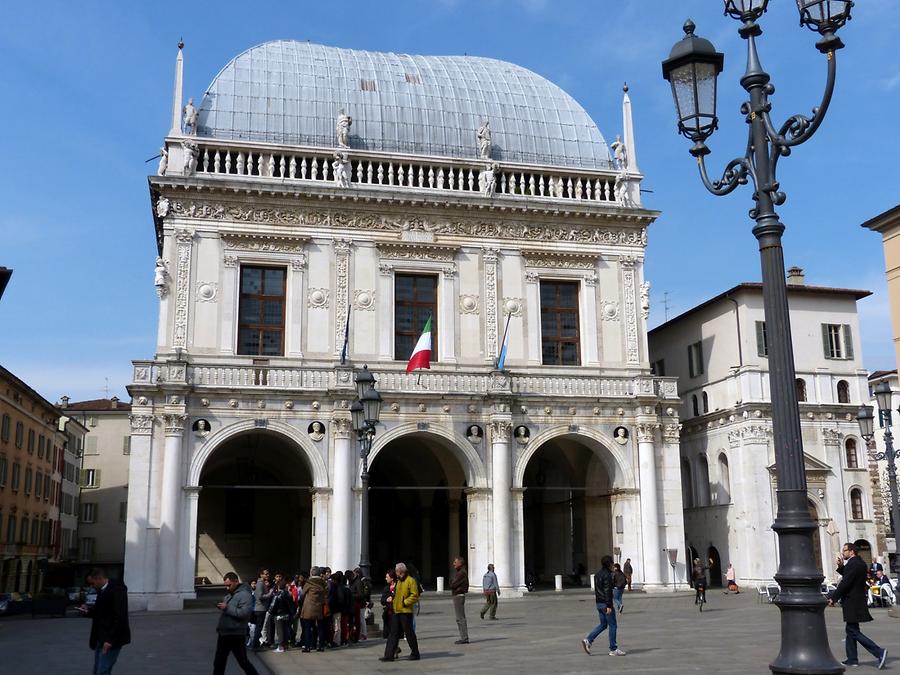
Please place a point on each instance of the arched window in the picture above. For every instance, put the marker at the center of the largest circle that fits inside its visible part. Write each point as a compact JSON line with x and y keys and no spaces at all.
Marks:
{"x":694,"y":405}
{"x":705,"y":403}
{"x":800,"y":383}
{"x":702,"y":481}
{"x":724,"y":480}
{"x":856,"y":504}
{"x":852,"y":458}
{"x":843,"y":391}
{"x":687,"y":491}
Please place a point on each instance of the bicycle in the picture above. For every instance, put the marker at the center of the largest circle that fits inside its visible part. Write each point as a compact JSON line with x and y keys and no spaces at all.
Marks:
{"x":700,"y":598}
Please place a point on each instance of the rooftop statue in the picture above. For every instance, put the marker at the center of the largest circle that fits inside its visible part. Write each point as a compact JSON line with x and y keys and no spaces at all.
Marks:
{"x":190,"y":117}
{"x":163,"y":161}
{"x":191,"y":152}
{"x":487,"y":179}
{"x":341,"y":167}
{"x":621,"y":152}
{"x":344,"y":121}
{"x":484,"y":140}
{"x":160,"y":277}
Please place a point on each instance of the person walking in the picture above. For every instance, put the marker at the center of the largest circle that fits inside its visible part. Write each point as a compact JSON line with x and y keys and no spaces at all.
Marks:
{"x":459,"y":586}
{"x":731,"y":580}
{"x":603,"y":594}
{"x":109,"y":621}
{"x":619,"y":582}
{"x":853,"y":591}
{"x":698,"y":576}
{"x":491,"y":592}
{"x":406,"y":594}
{"x":629,"y":571}
{"x":312,"y":614}
{"x":237,"y":607}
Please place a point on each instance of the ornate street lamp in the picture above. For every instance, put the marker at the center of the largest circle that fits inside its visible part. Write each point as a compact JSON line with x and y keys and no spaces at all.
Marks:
{"x":364,"y":414}
{"x":691,"y":69}
{"x":867,"y":430}
{"x":5,"y":274}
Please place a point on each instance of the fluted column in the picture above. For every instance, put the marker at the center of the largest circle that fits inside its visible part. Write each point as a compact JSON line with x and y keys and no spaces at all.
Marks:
{"x":170,"y":504}
{"x":453,"y":530}
{"x":649,"y":504}
{"x":502,"y":499}
{"x":138,"y":577}
{"x":342,"y":495}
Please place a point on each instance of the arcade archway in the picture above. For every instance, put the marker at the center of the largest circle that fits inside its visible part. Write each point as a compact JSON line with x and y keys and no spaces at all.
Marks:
{"x":255,"y":507}
{"x":567,"y":510}
{"x":417,"y":506}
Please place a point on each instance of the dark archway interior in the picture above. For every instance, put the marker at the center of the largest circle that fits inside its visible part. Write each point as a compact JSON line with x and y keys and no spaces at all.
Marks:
{"x":715,"y":567}
{"x":817,"y":544}
{"x":567,"y":511}
{"x":417,"y":507}
{"x":255,"y":508}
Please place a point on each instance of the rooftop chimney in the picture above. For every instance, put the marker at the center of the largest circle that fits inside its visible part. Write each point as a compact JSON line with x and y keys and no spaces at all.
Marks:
{"x":795,"y":277}
{"x":63,"y":401}
{"x":114,"y":402}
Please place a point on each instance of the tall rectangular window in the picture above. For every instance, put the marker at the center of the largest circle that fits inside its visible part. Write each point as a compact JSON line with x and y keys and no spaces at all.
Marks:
{"x":415,"y":299}
{"x":695,"y":359}
{"x":658,"y":368}
{"x":31,"y":438}
{"x":4,"y":428}
{"x":837,"y":342}
{"x":762,"y":339}
{"x":88,"y":512}
{"x":3,"y":470}
{"x":261,"y":311}
{"x":560,"y":339}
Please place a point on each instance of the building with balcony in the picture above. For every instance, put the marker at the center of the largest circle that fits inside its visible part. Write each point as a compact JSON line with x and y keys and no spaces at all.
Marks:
{"x":319,"y":196}
{"x":718,"y":351}
{"x":31,"y":446}
{"x":102,"y":479}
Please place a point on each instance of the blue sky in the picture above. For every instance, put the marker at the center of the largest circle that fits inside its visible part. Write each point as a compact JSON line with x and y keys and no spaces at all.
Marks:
{"x":87,"y":90}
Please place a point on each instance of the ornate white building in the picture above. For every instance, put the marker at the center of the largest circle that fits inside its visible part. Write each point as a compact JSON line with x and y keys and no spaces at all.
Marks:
{"x":312,"y":182}
{"x":719,"y":352}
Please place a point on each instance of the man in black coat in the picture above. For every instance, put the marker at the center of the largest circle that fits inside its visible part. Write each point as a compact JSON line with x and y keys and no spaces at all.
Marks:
{"x":603,"y":594}
{"x":853,"y":592}
{"x":109,"y":625}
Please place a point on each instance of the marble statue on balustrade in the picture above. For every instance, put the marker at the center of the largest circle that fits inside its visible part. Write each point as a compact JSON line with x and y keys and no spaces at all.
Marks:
{"x":474,"y":434}
{"x":344,"y":122}
{"x":190,"y":118}
{"x":163,"y":161}
{"x":484,"y":140}
{"x":621,"y":152}
{"x":341,"y":168}
{"x":191,"y":152}
{"x":623,"y":196}
{"x":161,"y":278}
{"x":316,"y":431}
{"x":487,"y":180}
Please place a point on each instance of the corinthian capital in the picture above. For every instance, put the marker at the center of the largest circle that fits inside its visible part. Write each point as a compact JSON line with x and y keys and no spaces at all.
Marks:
{"x":340,"y":427}
{"x":174,"y":423}
{"x":500,"y":431}
{"x":646,"y":432}
{"x":141,"y":425}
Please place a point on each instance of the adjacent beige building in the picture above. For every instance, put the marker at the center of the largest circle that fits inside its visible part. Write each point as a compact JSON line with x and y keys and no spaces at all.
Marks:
{"x":104,"y":481}
{"x":888,"y":224}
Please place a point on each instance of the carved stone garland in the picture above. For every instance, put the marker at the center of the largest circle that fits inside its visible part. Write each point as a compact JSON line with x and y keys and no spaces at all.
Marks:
{"x":341,"y":289}
{"x":490,"y":300}
{"x":628,"y":288}
{"x":184,"y":240}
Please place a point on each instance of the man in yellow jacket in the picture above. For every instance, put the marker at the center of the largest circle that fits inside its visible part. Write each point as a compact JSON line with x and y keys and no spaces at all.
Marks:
{"x":406,"y":595}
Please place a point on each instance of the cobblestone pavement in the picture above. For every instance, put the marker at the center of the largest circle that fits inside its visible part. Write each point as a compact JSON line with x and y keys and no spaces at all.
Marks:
{"x":537,"y":634}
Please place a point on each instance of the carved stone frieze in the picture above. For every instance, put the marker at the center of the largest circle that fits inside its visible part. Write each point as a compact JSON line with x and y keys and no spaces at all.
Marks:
{"x":832,"y":436}
{"x":141,"y":425}
{"x":631,"y":329}
{"x":754,"y":433}
{"x":184,"y":243}
{"x":490,"y":300}
{"x":417,"y":251}
{"x":554,"y":260}
{"x":258,"y":243}
{"x":341,"y":288}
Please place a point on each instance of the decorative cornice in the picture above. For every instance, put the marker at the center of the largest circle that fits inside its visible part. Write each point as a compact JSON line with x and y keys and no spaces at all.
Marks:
{"x":214,"y":210}
{"x":754,"y":433}
{"x":417,"y":251}
{"x":262,"y":243}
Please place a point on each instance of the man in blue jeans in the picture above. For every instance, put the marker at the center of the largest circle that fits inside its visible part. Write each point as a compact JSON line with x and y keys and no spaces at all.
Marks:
{"x":852,"y":593}
{"x":109,"y":621}
{"x":603,"y":594}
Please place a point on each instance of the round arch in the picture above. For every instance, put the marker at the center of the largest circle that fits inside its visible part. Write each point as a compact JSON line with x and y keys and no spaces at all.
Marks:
{"x":600,"y":444}
{"x":304,"y":447}
{"x":458,"y":444}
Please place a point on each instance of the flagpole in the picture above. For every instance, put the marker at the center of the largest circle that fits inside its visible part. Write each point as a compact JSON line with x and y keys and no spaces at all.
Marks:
{"x":503,"y":341}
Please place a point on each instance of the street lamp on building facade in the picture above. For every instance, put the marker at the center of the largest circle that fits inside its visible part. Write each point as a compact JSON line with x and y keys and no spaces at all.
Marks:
{"x":692,"y":69}
{"x":867,"y":430}
{"x":364,"y":414}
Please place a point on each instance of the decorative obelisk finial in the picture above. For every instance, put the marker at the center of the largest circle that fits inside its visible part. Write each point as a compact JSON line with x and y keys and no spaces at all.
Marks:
{"x":176,"y":94}
{"x":628,"y":132}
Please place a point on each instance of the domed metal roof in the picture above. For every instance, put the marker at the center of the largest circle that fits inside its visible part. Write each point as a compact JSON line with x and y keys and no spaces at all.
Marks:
{"x":292,"y":92}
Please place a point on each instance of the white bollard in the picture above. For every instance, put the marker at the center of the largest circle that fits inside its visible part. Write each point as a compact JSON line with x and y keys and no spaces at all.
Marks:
{"x":591,"y":576}
{"x":440,"y":584}
{"x":557,"y":580}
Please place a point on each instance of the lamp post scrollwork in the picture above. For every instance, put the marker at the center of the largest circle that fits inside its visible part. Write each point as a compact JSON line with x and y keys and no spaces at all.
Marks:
{"x":364,"y":414}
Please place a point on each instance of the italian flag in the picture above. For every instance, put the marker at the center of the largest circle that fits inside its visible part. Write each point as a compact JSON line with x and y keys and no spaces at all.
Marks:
{"x":421,"y":356}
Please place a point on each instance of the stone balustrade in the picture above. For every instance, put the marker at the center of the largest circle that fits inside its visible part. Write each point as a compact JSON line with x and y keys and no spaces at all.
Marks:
{"x":279,"y":378}
{"x":374,"y":170}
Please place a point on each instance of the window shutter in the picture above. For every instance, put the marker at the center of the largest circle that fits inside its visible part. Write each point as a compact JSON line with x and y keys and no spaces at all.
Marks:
{"x":91,"y":448}
{"x":761,"y":339}
{"x":126,"y":445}
{"x":691,"y":361}
{"x":848,"y":342}
{"x":82,"y":477}
{"x":97,"y":478}
{"x":699,"y":358}
{"x":826,"y":343}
